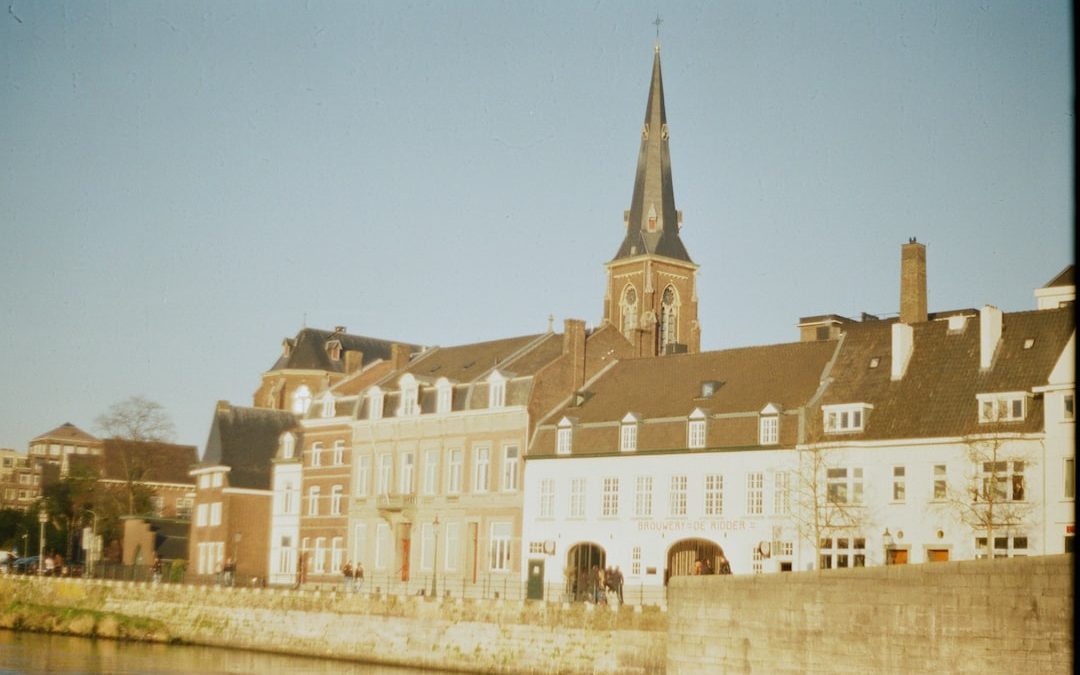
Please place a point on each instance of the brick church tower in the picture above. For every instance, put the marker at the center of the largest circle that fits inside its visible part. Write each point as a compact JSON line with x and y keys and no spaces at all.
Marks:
{"x":652,"y":282}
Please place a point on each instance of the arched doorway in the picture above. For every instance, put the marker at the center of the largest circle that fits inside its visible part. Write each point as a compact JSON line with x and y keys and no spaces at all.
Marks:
{"x":581,"y":559}
{"x":684,"y":553}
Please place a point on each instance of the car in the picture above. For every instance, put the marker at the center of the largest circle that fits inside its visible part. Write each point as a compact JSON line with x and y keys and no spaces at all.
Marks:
{"x":27,"y":565}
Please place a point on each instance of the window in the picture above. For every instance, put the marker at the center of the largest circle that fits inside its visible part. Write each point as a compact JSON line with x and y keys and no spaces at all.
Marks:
{"x":643,"y":496}
{"x":757,"y":566}
{"x":669,"y":318}
{"x":610,"y":503}
{"x":157,"y":504}
{"x":846,"y":417}
{"x":339,"y":453}
{"x":547,"y":498}
{"x":1005,"y":546}
{"x":695,"y":432}
{"x":453,"y":482}
{"x":755,"y":493}
{"x":1002,"y":481}
{"x":335,"y":501}
{"x":328,"y":406}
{"x":769,"y":430}
{"x":363,"y":478}
{"x":336,"y":551}
{"x":577,"y":498}
{"x":844,"y":486}
{"x":316,"y":454}
{"x":360,"y":543}
{"x":427,"y":546}
{"x":215,"y":479}
{"x":288,"y":446}
{"x":563,"y":438}
{"x":386,"y":470}
{"x":288,"y":499}
{"x":510,"y":468}
{"x":481,"y":466}
{"x":215,"y":514}
{"x":301,"y":399}
{"x":1070,"y":478}
{"x":635,"y":561}
{"x":383,"y":545}
{"x":408,"y":472}
{"x":899,"y":483}
{"x":499,"y":547}
{"x":451,"y":557}
{"x":445,"y":397}
{"x":714,"y":494}
{"x":941,"y":482}
{"x":781,"y":493}
{"x":1006,"y":407}
{"x":183,"y":506}
{"x":200,"y":515}
{"x":496,"y":391}
{"x":375,"y":404}
{"x":204,"y":481}
{"x":628,"y":437}
{"x":677,"y":496}
{"x":1068,"y":411}
{"x":313,"y":500}
{"x":409,"y":395}
{"x":286,"y":557}
{"x":841,"y":552}
{"x":629,"y":308}
{"x":319,"y":566}
{"x":431,"y":472}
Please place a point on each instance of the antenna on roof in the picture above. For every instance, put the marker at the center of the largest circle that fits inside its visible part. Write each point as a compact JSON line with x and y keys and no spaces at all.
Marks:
{"x":304,"y":324}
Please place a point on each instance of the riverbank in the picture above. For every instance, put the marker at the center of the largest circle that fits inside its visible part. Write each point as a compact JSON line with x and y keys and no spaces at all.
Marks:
{"x":487,"y":636}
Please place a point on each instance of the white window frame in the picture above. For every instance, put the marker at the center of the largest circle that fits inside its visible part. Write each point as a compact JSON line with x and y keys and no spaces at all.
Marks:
{"x":846,"y":417}
{"x":313,"y":500}
{"x":695,"y":430}
{"x":481,"y":469}
{"x":363,"y":474}
{"x":288,"y":446}
{"x":316,"y":455}
{"x":510,"y":466}
{"x":427,"y":546}
{"x":201,"y":515}
{"x":451,"y":540}
{"x":500,"y":547}
{"x":714,"y":494}
{"x":547,"y":498}
{"x":940,"y":487}
{"x":844,"y":485}
{"x":375,"y":403}
{"x":328,"y":406}
{"x":359,"y":543}
{"x":677,"y":506}
{"x":842,"y":551}
{"x":1009,"y":545}
{"x":337,"y":551}
{"x":609,"y":504}
{"x":496,"y":391}
{"x":781,"y":493}
{"x":408,"y":473}
{"x":578,"y":488}
{"x":384,"y":545}
{"x":215,"y":514}
{"x":1002,"y":407}
{"x":301,"y":399}
{"x":1006,"y":477}
{"x":444,"y":399}
{"x":899,"y":484}
{"x":454,"y":471}
{"x":336,"y":494}
{"x":755,"y":493}
{"x":1068,"y":407}
{"x":384,"y":474}
{"x":431,"y":472}
{"x":564,"y":437}
{"x":768,"y":429}
{"x":319,"y":559}
{"x":643,"y":493}
{"x":1068,"y":486}
{"x":339,"y":453}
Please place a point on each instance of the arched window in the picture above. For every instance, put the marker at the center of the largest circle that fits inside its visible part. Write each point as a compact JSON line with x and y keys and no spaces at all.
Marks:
{"x":301,"y":399}
{"x":328,"y":405}
{"x":669,"y":318}
{"x":629,"y":311}
{"x":288,"y":446}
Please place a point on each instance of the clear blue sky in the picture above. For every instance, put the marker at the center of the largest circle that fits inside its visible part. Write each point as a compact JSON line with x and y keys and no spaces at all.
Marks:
{"x":184,"y":182}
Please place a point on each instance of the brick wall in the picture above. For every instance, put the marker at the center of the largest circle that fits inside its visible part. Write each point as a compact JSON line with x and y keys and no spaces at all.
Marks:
{"x":972,"y":616}
{"x":473,"y":636}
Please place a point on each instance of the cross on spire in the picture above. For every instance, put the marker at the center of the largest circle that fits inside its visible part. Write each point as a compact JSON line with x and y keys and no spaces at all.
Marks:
{"x":657,"y":23}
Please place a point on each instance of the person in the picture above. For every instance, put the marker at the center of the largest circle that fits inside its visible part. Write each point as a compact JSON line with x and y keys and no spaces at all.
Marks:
{"x":707,"y":567}
{"x":347,"y":576}
{"x":618,"y":583}
{"x":49,"y":565}
{"x":725,"y":568}
{"x":601,"y":588}
{"x":230,"y":571}
{"x":156,"y":569}
{"x":219,"y":573}
{"x":301,"y":570}
{"x":358,"y":575}
{"x":58,"y":565}
{"x":698,"y":568}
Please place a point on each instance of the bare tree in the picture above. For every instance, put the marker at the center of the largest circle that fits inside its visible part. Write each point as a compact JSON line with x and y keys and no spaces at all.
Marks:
{"x":137,"y":423}
{"x":826,"y":498}
{"x":992,"y":499}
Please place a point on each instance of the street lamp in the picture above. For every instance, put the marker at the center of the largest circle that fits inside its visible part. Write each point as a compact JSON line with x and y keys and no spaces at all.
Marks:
{"x":91,"y":550}
{"x":42,"y":519}
{"x":887,"y":540}
{"x":435,"y":561}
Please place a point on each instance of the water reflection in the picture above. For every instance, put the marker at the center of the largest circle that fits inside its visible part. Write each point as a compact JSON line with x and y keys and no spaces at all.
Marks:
{"x":38,"y":653}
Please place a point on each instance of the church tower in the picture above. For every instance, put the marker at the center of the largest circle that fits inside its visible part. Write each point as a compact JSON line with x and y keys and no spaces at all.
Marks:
{"x":652,"y":282}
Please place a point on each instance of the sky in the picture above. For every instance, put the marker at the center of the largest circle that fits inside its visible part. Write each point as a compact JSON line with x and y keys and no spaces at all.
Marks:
{"x":183,"y":185}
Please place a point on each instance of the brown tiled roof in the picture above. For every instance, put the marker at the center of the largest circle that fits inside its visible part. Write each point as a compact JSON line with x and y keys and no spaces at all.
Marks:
{"x":66,"y":432}
{"x":937,"y":395}
{"x":246,"y":440}
{"x":164,"y":462}
{"x":463,"y":363}
{"x":308,"y":350}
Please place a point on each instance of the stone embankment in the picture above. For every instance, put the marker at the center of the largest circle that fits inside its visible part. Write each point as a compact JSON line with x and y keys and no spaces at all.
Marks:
{"x":488,"y":636}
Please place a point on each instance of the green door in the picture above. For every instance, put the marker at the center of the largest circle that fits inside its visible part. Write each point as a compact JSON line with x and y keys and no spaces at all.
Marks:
{"x":535,"y":588}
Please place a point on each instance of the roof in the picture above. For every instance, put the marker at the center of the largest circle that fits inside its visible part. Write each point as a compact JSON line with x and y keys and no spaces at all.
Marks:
{"x":465,"y":363}
{"x":246,"y":440}
{"x":937,"y":395}
{"x":653,"y":196}
{"x":1064,"y":278}
{"x":307,"y":351}
{"x":162,"y":462}
{"x":68,"y":432}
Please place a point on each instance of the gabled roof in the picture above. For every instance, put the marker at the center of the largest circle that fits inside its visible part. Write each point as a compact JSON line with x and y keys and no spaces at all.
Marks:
{"x":246,"y":440}
{"x":67,"y":432}
{"x":653,"y":196}
{"x":307,"y":351}
{"x":469,"y":362}
{"x":937,"y":395}
{"x":164,"y":462}
{"x":1064,"y":278}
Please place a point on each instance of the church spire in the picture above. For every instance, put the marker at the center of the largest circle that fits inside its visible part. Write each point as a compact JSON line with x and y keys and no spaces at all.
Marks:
{"x":652,"y":222}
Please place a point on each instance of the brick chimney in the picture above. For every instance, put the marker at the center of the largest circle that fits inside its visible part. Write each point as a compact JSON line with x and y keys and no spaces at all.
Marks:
{"x":353,"y":361}
{"x":913,"y":282}
{"x":989,"y":335}
{"x":574,"y":346}
{"x":399,"y":356}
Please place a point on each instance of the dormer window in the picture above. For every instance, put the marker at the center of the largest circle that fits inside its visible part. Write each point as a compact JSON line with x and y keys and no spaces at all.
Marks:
{"x":695,"y":429}
{"x":375,"y":404}
{"x":709,"y":387}
{"x":444,"y":399}
{"x":847,"y":417}
{"x":769,"y":425}
{"x":628,"y":433}
{"x":301,"y":399}
{"x":564,"y":437}
{"x":410,"y":395}
{"x":333,"y":350}
{"x":328,"y":405}
{"x":496,"y":390}
{"x":1004,"y":407}
{"x":288,"y":446}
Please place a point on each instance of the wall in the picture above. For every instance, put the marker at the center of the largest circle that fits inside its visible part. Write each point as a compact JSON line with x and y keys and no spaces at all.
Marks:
{"x":980,"y":616}
{"x":472,"y":636}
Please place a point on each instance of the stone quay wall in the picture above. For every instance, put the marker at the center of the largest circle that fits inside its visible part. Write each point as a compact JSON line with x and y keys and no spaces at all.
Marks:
{"x":981,"y":616}
{"x":485,"y":636}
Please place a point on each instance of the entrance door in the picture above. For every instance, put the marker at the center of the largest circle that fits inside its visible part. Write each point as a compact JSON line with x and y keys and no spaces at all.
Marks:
{"x":534,"y":589}
{"x":583,"y":561}
{"x":405,"y":546}
{"x":684,"y":556}
{"x":896,"y":556}
{"x":937,"y":554}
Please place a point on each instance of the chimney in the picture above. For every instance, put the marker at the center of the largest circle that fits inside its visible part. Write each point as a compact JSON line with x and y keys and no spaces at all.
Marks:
{"x":399,"y":356}
{"x":223,"y":406}
{"x":353,"y":361}
{"x":913,"y":282}
{"x":574,"y":345}
{"x":903,"y":344}
{"x":989,"y":335}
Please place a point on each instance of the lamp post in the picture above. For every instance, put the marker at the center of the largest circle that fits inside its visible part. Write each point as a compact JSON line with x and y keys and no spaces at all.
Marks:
{"x":42,"y":519}
{"x":25,"y":544}
{"x":435,"y":561}
{"x":91,"y":550}
{"x":887,"y":540}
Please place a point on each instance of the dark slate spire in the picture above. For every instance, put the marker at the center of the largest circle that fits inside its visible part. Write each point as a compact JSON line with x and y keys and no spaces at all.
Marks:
{"x":652,"y":223}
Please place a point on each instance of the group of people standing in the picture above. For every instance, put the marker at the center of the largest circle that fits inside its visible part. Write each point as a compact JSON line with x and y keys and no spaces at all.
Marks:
{"x":606,"y":584}
{"x":352,"y":577}
{"x":704,"y":566}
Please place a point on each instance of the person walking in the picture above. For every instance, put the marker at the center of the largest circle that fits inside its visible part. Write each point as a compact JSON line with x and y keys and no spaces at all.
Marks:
{"x":358,"y":576}
{"x":347,"y":576}
{"x":618,"y":583}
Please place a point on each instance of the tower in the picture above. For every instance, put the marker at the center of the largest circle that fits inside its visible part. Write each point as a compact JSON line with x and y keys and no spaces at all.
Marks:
{"x":652,"y":282}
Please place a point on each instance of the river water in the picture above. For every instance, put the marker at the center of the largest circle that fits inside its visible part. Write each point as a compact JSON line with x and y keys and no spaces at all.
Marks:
{"x":43,"y":653}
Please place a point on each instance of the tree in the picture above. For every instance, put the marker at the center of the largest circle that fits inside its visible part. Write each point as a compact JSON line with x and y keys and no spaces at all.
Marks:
{"x":66,"y":502}
{"x":826,"y":498}
{"x":137,"y":423}
{"x":992,"y":499}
